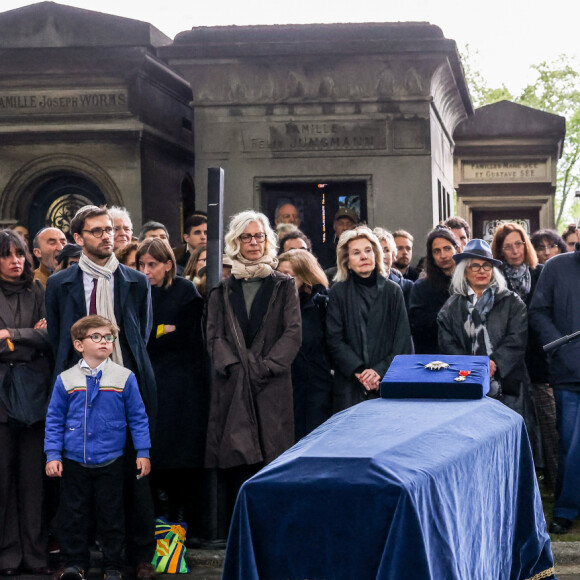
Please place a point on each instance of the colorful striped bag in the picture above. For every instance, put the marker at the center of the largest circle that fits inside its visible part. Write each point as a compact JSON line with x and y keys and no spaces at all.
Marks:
{"x":170,"y":551}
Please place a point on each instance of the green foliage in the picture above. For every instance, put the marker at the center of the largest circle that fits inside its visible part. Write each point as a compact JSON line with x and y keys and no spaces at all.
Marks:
{"x":481,"y":93}
{"x":556,"y":90}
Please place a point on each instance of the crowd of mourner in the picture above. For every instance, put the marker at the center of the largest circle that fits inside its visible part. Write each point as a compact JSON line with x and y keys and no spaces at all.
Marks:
{"x":228,"y":378}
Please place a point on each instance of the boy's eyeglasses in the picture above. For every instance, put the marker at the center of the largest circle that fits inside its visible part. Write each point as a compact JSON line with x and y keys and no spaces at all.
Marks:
{"x":98,"y":337}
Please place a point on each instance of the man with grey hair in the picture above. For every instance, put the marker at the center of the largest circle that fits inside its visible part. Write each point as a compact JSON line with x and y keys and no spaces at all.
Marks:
{"x":555,"y":312}
{"x":122,"y":227}
{"x":46,"y":246}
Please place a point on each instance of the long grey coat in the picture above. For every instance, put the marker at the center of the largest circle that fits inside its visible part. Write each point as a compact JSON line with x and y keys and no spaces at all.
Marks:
{"x":251,"y":416}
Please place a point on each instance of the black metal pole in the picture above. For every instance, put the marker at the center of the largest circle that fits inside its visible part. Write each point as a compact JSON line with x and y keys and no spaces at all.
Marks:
{"x":215,"y":226}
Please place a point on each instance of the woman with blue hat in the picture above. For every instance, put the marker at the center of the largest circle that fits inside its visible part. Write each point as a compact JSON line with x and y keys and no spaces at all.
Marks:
{"x":483,"y":318}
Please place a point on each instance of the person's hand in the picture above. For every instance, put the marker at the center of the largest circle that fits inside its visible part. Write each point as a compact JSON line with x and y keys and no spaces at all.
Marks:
{"x":4,"y":334}
{"x":370,"y":379}
{"x":54,"y":469}
{"x":167,"y":328}
{"x":143,"y":466}
{"x":492,"y":368}
{"x":41,"y":323}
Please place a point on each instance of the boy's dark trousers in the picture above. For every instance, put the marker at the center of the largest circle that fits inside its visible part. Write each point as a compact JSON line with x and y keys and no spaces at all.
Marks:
{"x":86,"y":492}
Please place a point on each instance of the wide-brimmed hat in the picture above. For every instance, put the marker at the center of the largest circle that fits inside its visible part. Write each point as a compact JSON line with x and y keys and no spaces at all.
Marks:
{"x":477,"y":249}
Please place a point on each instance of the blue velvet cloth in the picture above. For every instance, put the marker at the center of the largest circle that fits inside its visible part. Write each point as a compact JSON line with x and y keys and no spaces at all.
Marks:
{"x":407,"y":377}
{"x":395,"y":489}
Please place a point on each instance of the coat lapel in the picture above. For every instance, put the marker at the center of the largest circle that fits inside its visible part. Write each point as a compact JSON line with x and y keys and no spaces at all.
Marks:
{"x":260,"y":307}
{"x":122,"y":290}
{"x":74,"y":283}
{"x":236,"y":296}
{"x":6,"y":316}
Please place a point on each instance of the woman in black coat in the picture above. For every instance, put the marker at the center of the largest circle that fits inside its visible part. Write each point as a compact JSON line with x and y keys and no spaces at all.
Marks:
{"x":25,"y":368}
{"x":176,"y":351}
{"x":366,"y":321}
{"x":311,"y":371}
{"x":484,"y":318}
{"x":521,"y":269}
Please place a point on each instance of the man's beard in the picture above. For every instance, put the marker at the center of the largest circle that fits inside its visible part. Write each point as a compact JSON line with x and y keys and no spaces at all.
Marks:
{"x":400,"y":265}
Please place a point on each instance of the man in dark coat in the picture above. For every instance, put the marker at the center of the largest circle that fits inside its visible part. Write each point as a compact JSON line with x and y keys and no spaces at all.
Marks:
{"x":70,"y":295}
{"x":555,"y":312}
{"x":429,"y":293}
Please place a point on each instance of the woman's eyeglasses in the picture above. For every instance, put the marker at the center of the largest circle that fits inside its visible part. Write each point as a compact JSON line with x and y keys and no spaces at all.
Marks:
{"x":477,"y":267}
{"x":247,"y":238}
{"x":512,"y":247}
{"x":545,"y":248}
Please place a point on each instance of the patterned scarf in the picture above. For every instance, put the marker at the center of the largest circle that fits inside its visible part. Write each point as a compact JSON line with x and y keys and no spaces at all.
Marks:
{"x":105,"y":307}
{"x":245,"y":269}
{"x":519,"y":279}
{"x":476,"y":329}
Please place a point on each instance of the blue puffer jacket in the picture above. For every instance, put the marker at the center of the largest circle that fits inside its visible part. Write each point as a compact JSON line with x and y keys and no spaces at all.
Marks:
{"x":88,"y":416}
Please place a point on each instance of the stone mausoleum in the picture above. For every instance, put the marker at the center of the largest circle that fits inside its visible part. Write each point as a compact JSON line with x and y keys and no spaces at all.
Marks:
{"x":100,"y":109}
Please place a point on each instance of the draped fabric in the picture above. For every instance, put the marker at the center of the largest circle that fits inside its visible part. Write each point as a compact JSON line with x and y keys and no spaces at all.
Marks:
{"x":396,"y":489}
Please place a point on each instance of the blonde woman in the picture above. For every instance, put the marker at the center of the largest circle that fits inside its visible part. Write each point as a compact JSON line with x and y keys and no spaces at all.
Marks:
{"x":366,"y":322}
{"x":311,"y":370}
{"x":253,"y":335}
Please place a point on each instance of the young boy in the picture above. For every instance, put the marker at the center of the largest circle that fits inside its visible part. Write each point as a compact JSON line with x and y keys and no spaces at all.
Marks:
{"x":86,"y":428}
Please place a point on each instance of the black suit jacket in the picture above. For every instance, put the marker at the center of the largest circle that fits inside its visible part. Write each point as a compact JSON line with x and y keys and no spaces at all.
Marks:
{"x":65,"y":304}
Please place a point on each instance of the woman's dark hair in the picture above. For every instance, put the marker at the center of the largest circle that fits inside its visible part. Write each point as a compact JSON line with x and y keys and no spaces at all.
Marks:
{"x":549,"y":235}
{"x":436,"y":276}
{"x":9,"y":239}
{"x":190,"y":270}
{"x":159,"y":250}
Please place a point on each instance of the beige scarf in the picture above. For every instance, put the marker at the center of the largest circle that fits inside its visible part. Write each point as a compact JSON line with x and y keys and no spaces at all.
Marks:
{"x":245,"y":269}
{"x":104,"y":295}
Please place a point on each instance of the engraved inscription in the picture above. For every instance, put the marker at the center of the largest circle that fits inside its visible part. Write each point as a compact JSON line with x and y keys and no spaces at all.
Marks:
{"x":309,"y":136}
{"x":529,"y":170}
{"x":64,"y":101}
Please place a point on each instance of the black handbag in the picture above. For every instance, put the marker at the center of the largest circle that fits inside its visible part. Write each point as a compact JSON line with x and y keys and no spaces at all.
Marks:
{"x":25,"y":390}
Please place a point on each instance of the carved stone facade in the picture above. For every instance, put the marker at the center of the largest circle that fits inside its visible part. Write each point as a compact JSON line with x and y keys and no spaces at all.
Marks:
{"x":89,"y":114}
{"x":104,"y":109}
{"x":506,"y":157}
{"x":374,"y":104}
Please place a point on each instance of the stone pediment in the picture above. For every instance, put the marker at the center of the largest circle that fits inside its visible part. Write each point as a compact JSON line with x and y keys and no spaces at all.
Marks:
{"x":52,"y":25}
{"x":505,"y":119}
